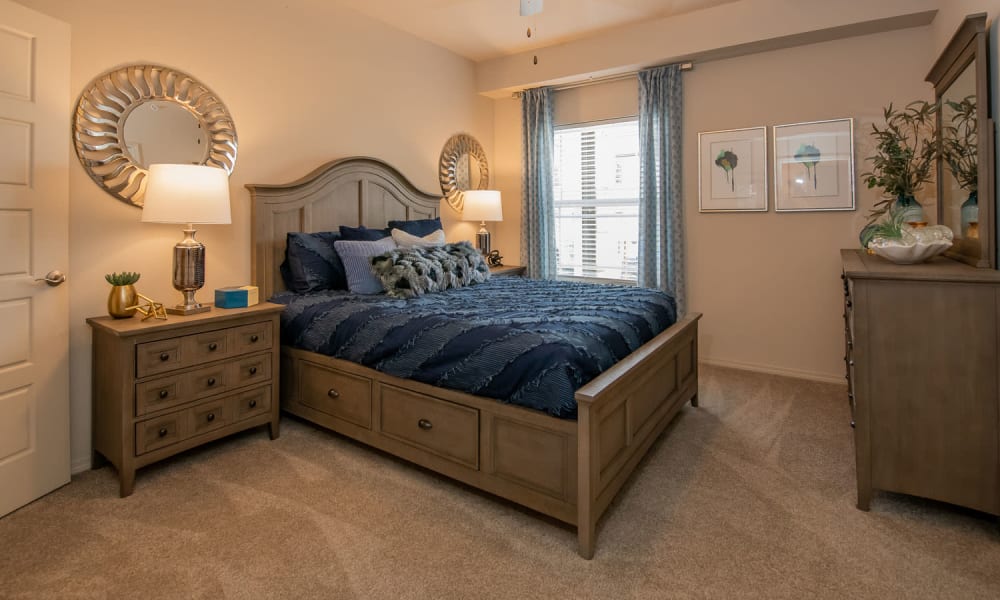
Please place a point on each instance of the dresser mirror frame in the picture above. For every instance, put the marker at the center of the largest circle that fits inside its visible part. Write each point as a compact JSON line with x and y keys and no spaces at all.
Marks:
{"x":105,"y":105}
{"x":968,"y":49}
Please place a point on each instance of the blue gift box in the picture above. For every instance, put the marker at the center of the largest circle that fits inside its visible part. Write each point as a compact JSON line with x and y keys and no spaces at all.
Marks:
{"x":236,"y":297}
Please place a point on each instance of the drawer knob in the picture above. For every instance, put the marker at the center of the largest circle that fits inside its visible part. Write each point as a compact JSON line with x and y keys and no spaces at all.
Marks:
{"x":163,"y":394}
{"x":213,"y":347}
{"x":425,"y":424}
{"x":211,"y":381}
{"x":849,"y":304}
{"x":164,"y":356}
{"x":210,"y":417}
{"x":254,"y":338}
{"x":163,"y":432}
{"x":253,"y":404}
{"x":333,"y":393}
{"x":253,"y":370}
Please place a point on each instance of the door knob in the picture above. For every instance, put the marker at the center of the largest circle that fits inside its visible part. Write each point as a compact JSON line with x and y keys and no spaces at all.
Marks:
{"x":53,"y":278}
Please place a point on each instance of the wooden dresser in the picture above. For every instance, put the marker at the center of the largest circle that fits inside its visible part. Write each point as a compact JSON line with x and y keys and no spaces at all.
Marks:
{"x":923,"y":371}
{"x":161,"y":387}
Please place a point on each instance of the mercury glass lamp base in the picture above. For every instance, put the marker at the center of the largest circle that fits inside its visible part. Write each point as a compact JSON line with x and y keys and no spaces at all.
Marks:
{"x":180,"y":309}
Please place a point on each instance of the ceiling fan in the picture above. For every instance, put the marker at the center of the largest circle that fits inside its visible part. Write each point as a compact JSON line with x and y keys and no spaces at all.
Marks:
{"x":530,"y":7}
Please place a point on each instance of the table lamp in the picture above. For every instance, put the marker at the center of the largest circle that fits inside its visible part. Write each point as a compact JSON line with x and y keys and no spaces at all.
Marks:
{"x":188,"y":194}
{"x":482,"y":206}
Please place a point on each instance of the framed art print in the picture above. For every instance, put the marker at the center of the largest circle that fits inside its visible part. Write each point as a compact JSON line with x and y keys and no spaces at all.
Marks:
{"x":732,"y":168}
{"x":814,"y":166}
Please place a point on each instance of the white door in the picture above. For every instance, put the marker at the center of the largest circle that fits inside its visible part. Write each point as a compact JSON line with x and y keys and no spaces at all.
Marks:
{"x":34,"y":226}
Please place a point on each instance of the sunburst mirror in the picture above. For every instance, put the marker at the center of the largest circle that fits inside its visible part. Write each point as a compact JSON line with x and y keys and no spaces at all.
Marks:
{"x":463,"y":167}
{"x":138,"y":115}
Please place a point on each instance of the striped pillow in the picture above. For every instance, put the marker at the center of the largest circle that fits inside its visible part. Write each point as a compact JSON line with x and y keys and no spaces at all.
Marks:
{"x":357,"y":256}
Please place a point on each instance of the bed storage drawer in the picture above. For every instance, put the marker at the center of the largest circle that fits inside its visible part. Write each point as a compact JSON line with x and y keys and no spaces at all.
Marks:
{"x":336,"y":393}
{"x":443,"y":428}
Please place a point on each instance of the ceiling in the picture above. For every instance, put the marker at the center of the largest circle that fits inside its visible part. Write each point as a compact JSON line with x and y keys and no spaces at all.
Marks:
{"x":485,"y":29}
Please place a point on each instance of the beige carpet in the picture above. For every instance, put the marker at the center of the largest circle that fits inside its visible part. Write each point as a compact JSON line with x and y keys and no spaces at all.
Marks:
{"x":751,"y":495}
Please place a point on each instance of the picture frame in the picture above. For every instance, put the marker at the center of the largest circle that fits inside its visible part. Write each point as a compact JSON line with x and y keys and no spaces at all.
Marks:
{"x":814,"y":166}
{"x":732,"y":170}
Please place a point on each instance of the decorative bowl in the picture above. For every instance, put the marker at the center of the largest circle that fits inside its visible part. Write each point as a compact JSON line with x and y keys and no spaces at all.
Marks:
{"x":915,"y":245}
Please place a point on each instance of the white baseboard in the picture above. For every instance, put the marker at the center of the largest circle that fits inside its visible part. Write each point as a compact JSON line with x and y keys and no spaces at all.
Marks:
{"x":79,"y":465}
{"x":796,"y":373}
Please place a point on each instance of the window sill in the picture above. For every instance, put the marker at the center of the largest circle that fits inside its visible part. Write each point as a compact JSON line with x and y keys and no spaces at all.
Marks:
{"x":596,"y":280}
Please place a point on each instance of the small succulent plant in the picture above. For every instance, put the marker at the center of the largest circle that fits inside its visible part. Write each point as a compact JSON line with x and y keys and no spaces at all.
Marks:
{"x":123,"y":278}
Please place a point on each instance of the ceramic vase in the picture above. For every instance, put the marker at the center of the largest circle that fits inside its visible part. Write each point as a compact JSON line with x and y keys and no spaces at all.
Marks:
{"x":970,"y":214}
{"x":909,"y":208}
{"x":122,"y":296}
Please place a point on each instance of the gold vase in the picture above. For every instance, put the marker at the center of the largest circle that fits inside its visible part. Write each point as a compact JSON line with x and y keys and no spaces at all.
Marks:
{"x":122,"y":296}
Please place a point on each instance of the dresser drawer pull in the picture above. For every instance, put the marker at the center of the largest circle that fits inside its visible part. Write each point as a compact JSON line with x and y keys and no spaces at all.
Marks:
{"x":163,"y":394}
{"x":164,"y":357}
{"x":850,"y":363}
{"x":210,"y":417}
{"x":333,"y":393}
{"x":253,"y":370}
{"x":254,"y":338}
{"x":213,"y":347}
{"x":425,"y":424}
{"x":252,"y":404}
{"x":211,"y":381}
{"x":852,"y":423}
{"x":163,"y":432}
{"x":849,"y":304}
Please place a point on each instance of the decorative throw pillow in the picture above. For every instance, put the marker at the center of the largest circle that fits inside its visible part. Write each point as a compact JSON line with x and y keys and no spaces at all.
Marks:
{"x":410,"y":272}
{"x":363,"y":234}
{"x":406,"y":240}
{"x":312,"y":263}
{"x":417,"y":227}
{"x":357,"y":256}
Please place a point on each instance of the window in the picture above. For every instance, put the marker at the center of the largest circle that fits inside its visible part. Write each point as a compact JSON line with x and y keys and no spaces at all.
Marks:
{"x":596,"y":185}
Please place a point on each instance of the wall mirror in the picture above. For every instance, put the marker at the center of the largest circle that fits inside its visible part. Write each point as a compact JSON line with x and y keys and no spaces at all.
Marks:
{"x":966,"y":201}
{"x":138,"y":115}
{"x":463,"y":167}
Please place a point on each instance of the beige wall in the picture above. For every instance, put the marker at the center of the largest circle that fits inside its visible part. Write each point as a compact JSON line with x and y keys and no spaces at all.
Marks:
{"x":305,"y":83}
{"x":767,"y":283}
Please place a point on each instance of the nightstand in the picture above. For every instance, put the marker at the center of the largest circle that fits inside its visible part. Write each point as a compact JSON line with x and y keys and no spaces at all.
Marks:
{"x":162,"y":387}
{"x":508,"y":271}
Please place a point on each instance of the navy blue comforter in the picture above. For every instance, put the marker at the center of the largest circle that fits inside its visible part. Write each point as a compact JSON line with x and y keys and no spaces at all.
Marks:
{"x":530,"y":343}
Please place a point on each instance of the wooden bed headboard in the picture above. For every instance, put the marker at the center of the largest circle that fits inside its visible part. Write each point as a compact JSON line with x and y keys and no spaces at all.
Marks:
{"x":349,"y":191}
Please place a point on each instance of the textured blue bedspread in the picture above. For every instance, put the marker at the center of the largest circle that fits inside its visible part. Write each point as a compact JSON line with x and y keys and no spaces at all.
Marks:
{"x":526,"y":342}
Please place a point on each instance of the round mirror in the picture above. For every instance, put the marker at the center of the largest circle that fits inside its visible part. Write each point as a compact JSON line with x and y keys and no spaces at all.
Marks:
{"x":463,"y":167}
{"x":158,"y":131}
{"x":138,"y":115}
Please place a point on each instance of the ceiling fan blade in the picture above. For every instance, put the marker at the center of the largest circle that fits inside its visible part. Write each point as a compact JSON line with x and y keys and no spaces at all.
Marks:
{"x":530,"y":7}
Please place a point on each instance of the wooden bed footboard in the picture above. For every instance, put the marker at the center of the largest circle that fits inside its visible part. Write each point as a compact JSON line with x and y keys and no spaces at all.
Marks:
{"x":623,"y":411}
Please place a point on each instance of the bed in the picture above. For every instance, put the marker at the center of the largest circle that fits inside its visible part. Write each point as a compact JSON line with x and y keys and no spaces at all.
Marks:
{"x":565,"y":468}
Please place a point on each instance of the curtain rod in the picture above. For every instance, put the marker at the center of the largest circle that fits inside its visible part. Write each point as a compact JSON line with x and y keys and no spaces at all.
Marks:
{"x":687,"y":66}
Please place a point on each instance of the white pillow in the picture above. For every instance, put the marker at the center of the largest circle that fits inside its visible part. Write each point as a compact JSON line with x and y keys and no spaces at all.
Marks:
{"x":407,"y":240}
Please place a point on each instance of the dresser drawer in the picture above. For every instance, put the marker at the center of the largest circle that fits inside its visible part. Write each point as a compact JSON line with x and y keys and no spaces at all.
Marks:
{"x":443,"y":428}
{"x":253,"y":337}
{"x":251,"y":403}
{"x":159,"y":432}
{"x":250,"y":370}
{"x":338,"y":394}
{"x":157,"y":357}
{"x":208,"y":381}
{"x":206,"y":347}
{"x":160,"y":394}
{"x":208,"y":416}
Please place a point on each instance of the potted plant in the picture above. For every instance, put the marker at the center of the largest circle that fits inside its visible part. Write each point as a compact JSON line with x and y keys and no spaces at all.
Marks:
{"x":904,"y":160}
{"x":960,"y":151}
{"x":123,"y":298}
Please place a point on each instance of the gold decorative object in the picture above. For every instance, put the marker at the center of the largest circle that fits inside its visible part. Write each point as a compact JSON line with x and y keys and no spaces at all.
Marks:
{"x":151,"y":309}
{"x":120,"y":301}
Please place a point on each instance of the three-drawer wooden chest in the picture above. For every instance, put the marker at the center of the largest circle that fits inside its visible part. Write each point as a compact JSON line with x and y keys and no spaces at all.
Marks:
{"x":162,"y":387}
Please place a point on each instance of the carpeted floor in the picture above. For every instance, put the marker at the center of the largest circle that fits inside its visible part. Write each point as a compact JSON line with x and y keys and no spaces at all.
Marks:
{"x":750,"y":495}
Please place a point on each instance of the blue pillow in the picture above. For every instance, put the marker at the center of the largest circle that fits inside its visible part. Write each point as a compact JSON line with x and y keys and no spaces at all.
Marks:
{"x":357,"y":256}
{"x":363,"y":234}
{"x":313,"y":264}
{"x":418,"y":227}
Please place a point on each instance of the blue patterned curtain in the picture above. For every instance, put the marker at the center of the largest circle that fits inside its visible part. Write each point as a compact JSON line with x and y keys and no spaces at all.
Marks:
{"x":661,"y":202}
{"x":538,"y":231}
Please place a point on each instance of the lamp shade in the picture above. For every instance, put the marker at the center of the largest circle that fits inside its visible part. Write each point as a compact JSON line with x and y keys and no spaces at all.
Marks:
{"x":482,"y":205}
{"x":186,"y":194}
